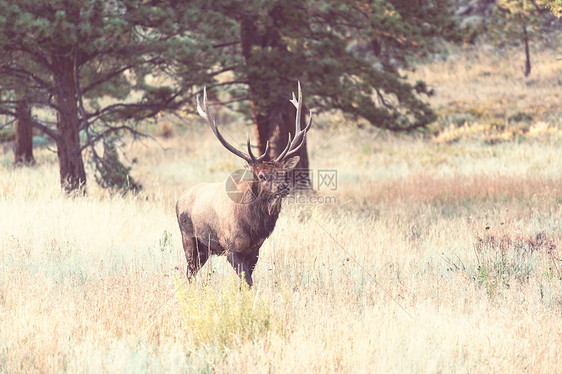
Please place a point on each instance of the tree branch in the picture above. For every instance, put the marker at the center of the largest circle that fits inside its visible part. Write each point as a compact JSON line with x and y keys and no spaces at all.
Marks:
{"x":33,"y":122}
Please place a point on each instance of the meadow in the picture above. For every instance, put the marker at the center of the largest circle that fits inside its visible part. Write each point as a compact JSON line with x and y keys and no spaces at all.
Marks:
{"x":442,"y":252}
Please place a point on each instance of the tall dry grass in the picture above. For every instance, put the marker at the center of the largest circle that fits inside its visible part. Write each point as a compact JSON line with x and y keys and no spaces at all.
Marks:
{"x":435,"y":257}
{"x":487,"y":78}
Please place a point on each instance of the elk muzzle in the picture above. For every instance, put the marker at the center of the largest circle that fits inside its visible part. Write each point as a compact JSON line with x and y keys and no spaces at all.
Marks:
{"x":283,"y":189}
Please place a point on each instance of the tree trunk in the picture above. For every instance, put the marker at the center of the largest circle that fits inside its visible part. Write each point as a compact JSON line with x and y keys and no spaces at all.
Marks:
{"x":527,"y":53}
{"x":23,"y":151}
{"x":72,"y":173}
{"x":273,"y":114}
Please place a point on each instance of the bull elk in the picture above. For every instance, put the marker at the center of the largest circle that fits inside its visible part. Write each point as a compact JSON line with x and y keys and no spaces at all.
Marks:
{"x":212,"y":222}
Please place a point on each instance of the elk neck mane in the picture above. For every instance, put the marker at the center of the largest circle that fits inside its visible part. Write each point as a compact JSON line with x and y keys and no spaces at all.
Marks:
{"x":257,"y":218}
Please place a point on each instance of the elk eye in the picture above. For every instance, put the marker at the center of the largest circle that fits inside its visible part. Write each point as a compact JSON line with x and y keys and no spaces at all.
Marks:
{"x":261,"y":177}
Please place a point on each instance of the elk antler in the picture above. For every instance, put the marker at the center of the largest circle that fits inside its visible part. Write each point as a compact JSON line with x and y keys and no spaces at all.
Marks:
{"x":204,"y":112}
{"x":294,"y":146}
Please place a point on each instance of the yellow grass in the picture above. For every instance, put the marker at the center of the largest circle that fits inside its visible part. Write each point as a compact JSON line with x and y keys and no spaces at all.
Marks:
{"x":491,"y":79}
{"x":436,"y":257}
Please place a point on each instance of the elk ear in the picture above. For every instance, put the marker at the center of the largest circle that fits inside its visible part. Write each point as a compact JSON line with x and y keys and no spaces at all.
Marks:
{"x":291,"y":163}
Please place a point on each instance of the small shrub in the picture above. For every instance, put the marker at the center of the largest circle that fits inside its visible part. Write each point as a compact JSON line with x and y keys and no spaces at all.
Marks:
{"x":7,"y":135}
{"x":111,"y":173}
{"x":492,"y":132}
{"x":165,"y":242}
{"x":166,"y":130}
{"x":543,"y":129}
{"x":504,"y":242}
{"x":232,"y":315}
{"x":453,"y":133}
{"x":502,"y":258}
{"x":520,"y":117}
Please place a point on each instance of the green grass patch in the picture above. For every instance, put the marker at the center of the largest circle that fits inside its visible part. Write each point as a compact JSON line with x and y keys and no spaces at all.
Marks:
{"x":226,"y":316}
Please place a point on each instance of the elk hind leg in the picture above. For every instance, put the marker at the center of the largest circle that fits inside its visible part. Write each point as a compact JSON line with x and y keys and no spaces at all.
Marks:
{"x":195,"y":254}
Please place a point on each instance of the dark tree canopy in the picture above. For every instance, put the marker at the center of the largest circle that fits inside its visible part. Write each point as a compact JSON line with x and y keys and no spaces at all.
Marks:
{"x":101,"y":66}
{"x":104,"y":66}
{"x":346,"y":53}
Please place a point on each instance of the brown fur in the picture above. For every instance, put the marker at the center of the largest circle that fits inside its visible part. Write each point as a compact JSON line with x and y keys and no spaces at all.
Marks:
{"x":212,"y":223}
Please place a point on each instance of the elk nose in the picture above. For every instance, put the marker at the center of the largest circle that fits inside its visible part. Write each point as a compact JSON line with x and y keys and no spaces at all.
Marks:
{"x":283,"y":188}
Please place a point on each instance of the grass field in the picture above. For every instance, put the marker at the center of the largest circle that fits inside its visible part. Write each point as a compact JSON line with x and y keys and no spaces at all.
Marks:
{"x":441,"y":253}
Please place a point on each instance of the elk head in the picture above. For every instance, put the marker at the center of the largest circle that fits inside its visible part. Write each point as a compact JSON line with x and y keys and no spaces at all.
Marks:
{"x":269,"y":177}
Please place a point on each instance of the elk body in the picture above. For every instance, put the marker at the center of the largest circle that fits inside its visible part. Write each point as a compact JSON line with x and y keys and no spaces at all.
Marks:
{"x":236,"y":225}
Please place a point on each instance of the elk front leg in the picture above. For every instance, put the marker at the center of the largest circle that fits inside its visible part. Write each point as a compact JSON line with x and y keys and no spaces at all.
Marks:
{"x":241,"y":266}
{"x":251,"y":260}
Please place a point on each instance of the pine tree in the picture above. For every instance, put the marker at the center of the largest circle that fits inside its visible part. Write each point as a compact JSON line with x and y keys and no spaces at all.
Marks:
{"x":76,"y":56}
{"x":348,"y":55}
